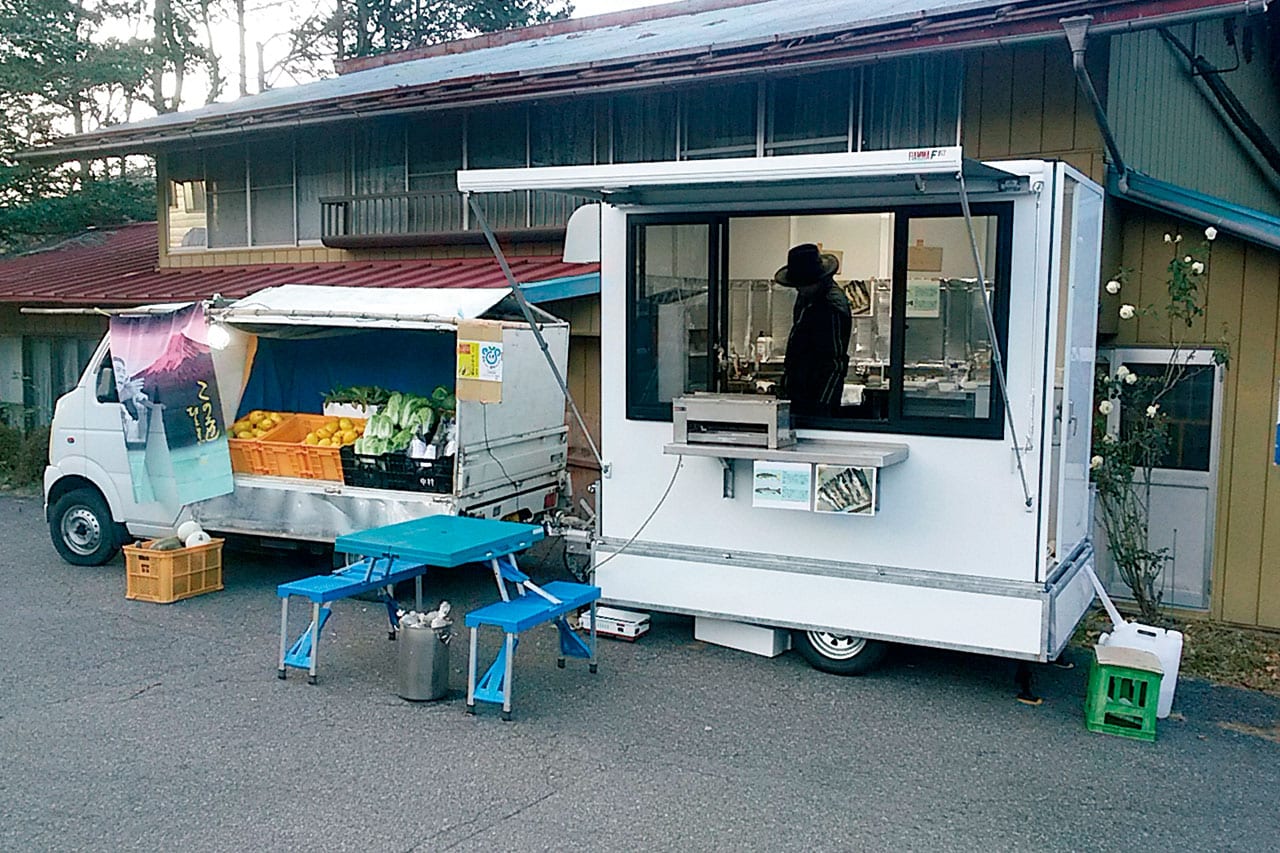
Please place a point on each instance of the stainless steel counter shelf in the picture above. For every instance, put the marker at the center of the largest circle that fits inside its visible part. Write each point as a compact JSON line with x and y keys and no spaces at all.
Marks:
{"x":863,"y":454}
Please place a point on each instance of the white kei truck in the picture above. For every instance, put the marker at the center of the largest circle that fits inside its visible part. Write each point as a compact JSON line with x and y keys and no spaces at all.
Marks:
{"x":510,"y":458}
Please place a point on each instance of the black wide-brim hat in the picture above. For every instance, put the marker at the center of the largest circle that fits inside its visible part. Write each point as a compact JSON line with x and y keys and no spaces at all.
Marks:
{"x":806,"y":265}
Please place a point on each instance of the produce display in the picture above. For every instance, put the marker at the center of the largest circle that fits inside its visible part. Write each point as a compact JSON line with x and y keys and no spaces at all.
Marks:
{"x":257,"y":423}
{"x":403,"y":418}
{"x":336,"y":432}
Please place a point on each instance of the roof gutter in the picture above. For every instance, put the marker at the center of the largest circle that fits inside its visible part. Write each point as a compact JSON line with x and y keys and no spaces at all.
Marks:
{"x":811,"y":52}
{"x":1248,"y":224}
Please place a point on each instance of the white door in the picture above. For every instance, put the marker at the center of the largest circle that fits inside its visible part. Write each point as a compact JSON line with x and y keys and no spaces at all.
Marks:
{"x":1081,"y":248}
{"x":1184,"y":489}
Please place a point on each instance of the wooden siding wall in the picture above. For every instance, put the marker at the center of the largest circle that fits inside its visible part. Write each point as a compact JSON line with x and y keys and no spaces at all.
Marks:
{"x":583,"y":316}
{"x":1024,"y":102}
{"x":1178,"y":136}
{"x":321,"y":254}
{"x":14,"y":322}
{"x":1242,"y":304}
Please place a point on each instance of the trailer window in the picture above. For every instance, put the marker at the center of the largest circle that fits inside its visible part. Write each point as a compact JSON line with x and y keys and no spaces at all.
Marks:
{"x":669,"y":334}
{"x":913,"y":354}
{"x":947,"y":364}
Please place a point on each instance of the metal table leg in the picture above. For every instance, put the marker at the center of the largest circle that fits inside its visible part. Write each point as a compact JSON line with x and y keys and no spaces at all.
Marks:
{"x":315,"y":641}
{"x":506,"y":677}
{"x":592,"y":666}
{"x":284,"y":632}
{"x":471,"y":676}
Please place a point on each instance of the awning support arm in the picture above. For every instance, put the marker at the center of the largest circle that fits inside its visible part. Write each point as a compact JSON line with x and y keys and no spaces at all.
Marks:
{"x":527,"y":310}
{"x":997,"y":361}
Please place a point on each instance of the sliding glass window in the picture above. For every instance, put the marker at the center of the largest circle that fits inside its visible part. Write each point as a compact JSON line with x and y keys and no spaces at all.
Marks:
{"x":899,"y":339}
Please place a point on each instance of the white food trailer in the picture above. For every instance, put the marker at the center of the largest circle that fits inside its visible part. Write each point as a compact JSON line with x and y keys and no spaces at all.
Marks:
{"x":279,"y":349}
{"x":932,"y":506}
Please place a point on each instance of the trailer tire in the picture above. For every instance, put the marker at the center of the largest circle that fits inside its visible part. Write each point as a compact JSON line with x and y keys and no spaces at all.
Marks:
{"x":83,"y":532}
{"x":837,"y":653}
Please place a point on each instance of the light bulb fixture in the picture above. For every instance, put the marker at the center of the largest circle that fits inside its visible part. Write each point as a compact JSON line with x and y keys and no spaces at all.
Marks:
{"x":219,"y":337}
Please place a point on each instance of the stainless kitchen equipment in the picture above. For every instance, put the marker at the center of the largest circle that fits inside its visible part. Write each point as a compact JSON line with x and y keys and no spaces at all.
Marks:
{"x":742,"y":420}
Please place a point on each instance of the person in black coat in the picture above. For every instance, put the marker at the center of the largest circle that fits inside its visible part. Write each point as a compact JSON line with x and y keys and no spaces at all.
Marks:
{"x":818,"y":346}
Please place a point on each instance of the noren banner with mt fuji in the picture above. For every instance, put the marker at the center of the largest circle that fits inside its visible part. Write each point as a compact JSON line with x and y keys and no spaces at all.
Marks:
{"x":164,"y":371}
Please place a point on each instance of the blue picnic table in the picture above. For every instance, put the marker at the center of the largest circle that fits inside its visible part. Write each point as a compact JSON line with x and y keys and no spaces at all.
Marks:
{"x":391,"y":554}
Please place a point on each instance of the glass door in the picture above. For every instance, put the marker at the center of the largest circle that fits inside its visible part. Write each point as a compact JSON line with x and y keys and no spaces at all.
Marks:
{"x":1077,"y":242}
{"x":1184,"y":487}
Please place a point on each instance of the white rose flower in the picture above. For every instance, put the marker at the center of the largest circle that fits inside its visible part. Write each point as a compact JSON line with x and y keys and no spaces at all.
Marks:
{"x":1104,"y":407}
{"x":1153,"y":409}
{"x":1122,"y":372}
{"x":1197,"y":268}
{"x":1131,"y":378}
{"x":1178,"y":239}
{"x":1211,"y":233}
{"x":1127,"y":311}
{"x":1168,"y":238}
{"x":1108,"y":438}
{"x":1095,"y":462}
{"x":1187,"y":259}
{"x":1113,"y":287}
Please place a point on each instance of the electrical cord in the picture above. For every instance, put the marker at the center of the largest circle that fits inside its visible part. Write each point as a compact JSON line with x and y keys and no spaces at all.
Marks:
{"x":658,"y":506}
{"x":484,"y":419}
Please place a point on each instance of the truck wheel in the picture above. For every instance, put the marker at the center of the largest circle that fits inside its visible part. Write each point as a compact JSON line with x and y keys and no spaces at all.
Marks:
{"x":838,"y":653}
{"x":82,"y":529}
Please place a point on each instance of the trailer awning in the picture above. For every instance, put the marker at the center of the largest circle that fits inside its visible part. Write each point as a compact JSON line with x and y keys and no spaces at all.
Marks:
{"x":362,"y":307}
{"x":893,"y":173}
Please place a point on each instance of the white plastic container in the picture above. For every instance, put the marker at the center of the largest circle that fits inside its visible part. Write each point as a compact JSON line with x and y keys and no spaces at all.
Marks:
{"x":1165,"y":645}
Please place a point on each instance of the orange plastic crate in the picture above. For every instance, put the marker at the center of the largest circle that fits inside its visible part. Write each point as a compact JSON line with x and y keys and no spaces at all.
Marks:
{"x":285,"y":455}
{"x":246,"y":453}
{"x":164,"y":577}
{"x":246,"y":456}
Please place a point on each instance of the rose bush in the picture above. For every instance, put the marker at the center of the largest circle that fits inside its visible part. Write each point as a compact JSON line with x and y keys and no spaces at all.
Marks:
{"x":1128,"y":449}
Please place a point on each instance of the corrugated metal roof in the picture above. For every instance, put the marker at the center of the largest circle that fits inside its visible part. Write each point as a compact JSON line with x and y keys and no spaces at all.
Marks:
{"x":702,"y":43}
{"x":118,"y":267}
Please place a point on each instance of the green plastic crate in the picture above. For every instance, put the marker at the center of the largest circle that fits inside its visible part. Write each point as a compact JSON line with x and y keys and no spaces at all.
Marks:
{"x":1124,"y":692}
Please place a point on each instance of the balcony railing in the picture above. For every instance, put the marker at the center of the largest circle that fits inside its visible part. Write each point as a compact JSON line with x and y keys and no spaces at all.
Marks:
{"x":421,"y":218}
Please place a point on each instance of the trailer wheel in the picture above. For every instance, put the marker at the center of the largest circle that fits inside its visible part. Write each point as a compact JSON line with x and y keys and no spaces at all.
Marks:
{"x":839,"y":653}
{"x":82,"y":529}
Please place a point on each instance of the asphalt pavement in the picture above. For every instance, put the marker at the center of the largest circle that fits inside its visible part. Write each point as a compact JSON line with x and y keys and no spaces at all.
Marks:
{"x":127,"y":725}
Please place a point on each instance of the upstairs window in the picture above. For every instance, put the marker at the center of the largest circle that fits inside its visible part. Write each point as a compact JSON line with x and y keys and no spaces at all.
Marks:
{"x":720,"y":121}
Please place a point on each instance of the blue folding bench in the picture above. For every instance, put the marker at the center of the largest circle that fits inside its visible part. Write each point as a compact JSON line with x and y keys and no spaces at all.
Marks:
{"x":368,"y":575}
{"x":532,"y":606}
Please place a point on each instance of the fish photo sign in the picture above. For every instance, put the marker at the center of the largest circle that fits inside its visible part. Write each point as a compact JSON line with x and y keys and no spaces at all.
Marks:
{"x":845,"y":490}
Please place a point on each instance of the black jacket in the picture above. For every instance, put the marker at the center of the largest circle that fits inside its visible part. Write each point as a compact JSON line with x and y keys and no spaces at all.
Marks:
{"x":818,"y":351}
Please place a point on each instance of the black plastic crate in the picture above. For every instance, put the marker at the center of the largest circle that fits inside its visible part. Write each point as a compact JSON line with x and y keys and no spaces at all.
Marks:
{"x":397,"y":471}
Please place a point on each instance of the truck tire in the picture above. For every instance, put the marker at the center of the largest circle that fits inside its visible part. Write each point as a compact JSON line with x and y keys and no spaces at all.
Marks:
{"x":82,"y":529}
{"x":837,"y":653}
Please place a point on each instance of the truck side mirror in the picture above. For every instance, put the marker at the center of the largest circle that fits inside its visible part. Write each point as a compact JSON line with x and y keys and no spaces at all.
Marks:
{"x":106,"y":391}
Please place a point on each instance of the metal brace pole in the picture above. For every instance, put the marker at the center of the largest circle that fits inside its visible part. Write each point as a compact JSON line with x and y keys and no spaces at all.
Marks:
{"x":997,"y":362}
{"x":533,"y":324}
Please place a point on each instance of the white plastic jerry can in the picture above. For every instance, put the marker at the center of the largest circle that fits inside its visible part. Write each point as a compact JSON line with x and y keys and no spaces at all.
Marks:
{"x":1165,"y":645}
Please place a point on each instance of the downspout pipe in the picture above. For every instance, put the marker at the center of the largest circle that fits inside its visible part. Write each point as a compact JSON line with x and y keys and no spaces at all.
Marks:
{"x":1077,"y":30}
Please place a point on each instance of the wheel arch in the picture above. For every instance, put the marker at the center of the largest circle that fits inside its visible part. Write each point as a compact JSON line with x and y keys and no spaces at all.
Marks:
{"x":79,"y":472}
{"x":69,"y":483}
